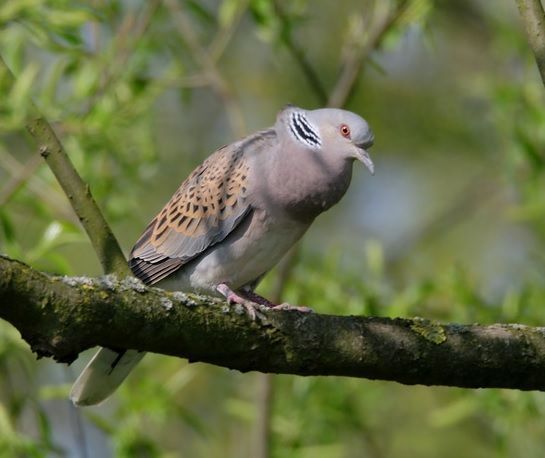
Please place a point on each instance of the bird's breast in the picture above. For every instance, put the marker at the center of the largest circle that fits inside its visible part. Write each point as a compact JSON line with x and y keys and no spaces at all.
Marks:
{"x":303,"y":190}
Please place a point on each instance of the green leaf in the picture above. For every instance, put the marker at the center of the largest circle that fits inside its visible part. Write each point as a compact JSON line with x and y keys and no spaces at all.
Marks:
{"x":67,"y":18}
{"x":6,"y":226}
{"x":21,"y":92}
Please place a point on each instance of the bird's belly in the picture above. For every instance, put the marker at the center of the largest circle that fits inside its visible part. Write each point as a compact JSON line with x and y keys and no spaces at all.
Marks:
{"x":242,"y":257}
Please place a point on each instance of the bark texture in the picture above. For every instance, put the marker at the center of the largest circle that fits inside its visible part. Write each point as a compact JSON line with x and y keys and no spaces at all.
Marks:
{"x":533,"y":18}
{"x":62,"y":316}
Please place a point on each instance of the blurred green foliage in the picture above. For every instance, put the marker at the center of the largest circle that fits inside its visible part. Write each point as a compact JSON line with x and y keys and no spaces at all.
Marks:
{"x":450,"y":229}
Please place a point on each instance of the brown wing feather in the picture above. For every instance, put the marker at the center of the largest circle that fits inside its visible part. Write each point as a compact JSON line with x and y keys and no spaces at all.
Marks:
{"x":208,"y":205}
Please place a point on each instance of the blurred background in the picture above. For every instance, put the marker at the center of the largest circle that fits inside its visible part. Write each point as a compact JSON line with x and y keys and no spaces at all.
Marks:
{"x":451,"y":227}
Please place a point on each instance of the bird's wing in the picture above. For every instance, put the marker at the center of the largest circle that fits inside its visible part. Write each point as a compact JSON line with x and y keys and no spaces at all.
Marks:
{"x":208,"y":205}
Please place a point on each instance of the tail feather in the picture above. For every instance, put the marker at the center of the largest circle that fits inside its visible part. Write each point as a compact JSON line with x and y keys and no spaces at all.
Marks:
{"x":104,"y":373}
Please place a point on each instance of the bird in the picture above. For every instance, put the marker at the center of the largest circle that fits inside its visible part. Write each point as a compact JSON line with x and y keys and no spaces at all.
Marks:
{"x":235,"y":216}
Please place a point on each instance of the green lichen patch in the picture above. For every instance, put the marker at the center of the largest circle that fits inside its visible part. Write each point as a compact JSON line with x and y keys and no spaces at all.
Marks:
{"x":430,"y":330}
{"x":182,"y":298}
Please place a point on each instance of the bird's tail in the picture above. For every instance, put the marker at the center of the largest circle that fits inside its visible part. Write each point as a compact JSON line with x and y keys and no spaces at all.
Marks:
{"x":104,"y":373}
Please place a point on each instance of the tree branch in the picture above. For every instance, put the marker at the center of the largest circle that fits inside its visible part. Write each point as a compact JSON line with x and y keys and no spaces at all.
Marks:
{"x":533,"y":16}
{"x":62,"y":316}
{"x":78,"y":192}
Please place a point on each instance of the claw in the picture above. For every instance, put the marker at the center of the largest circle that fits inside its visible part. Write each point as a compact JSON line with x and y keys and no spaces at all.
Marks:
{"x":233,"y":298}
{"x":297,"y":308}
{"x":254,"y":303}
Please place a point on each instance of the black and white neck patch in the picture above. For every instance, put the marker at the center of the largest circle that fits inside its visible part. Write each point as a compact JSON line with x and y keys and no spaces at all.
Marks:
{"x":303,"y":130}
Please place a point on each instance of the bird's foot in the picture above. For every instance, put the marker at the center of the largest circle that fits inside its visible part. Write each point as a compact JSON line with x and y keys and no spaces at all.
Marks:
{"x":252,"y":308}
{"x":254,"y":303}
{"x":254,"y":297}
{"x":297,"y":308}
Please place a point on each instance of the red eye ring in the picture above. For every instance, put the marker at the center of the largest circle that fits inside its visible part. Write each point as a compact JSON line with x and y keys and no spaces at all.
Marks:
{"x":345,"y":130}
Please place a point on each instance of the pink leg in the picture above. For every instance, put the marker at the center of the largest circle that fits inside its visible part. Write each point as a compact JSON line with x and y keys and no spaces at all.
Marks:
{"x":233,"y":298}
{"x":252,"y":301}
{"x":297,"y":308}
{"x":254,"y":297}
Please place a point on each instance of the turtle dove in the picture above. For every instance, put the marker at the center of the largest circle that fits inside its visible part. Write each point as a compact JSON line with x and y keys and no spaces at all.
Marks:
{"x":236,"y":215}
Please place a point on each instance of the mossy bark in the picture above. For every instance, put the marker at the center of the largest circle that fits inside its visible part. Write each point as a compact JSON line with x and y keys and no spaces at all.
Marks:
{"x":62,"y":316}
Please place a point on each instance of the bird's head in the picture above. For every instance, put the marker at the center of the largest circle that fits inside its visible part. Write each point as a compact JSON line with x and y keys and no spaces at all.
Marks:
{"x":339,"y":134}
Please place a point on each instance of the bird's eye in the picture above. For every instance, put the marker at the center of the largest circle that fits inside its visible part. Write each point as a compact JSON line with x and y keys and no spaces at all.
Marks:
{"x":345,"y":130}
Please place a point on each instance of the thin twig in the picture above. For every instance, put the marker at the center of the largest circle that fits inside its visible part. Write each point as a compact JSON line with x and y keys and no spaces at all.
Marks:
{"x":533,"y":16}
{"x":357,"y":56}
{"x":299,"y":55}
{"x":266,"y":382}
{"x":265,"y":400}
{"x":76,"y":421}
{"x":17,"y":181}
{"x":130,"y":32}
{"x":37,"y":186}
{"x":203,"y":59}
{"x":223,"y":37}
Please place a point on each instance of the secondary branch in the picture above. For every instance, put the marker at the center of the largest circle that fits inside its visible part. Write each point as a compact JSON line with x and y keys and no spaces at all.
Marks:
{"x":78,"y":192}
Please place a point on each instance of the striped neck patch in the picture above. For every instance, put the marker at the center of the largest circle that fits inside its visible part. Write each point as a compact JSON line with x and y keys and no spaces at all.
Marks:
{"x":303,"y":130}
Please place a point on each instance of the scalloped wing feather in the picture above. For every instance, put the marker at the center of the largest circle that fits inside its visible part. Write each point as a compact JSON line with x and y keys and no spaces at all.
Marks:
{"x":208,"y":205}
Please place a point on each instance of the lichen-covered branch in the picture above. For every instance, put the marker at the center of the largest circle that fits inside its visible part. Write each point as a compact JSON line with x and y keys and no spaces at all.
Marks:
{"x":533,"y":17}
{"x":62,"y":316}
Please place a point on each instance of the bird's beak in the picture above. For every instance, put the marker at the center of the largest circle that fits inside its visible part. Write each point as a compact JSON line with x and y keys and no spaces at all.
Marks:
{"x":363,"y":156}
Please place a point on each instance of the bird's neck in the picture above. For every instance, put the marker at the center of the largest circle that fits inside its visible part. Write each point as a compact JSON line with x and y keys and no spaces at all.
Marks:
{"x":309,"y":185}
